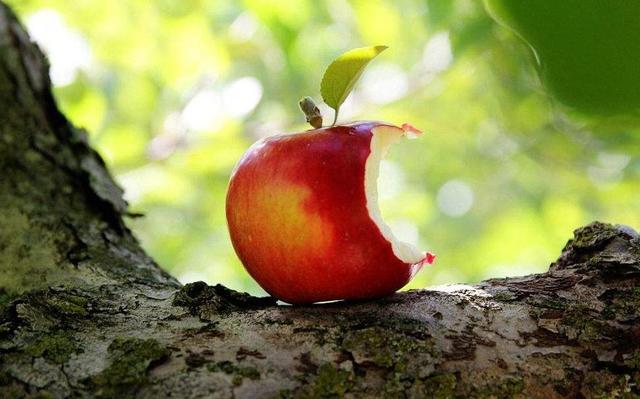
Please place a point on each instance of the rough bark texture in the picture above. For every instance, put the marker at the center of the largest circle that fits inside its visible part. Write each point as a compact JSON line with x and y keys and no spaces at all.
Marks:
{"x":85,"y":313}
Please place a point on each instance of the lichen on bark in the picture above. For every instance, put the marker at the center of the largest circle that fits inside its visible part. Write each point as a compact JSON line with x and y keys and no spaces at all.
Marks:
{"x":130,"y":360}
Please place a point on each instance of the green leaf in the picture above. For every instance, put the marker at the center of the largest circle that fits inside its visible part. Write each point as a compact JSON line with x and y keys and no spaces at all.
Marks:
{"x":343,"y":73}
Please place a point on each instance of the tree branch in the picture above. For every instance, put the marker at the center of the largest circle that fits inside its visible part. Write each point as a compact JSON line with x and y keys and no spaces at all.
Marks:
{"x":57,"y":200}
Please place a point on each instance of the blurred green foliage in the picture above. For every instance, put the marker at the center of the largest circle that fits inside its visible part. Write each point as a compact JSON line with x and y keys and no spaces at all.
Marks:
{"x":173,"y":91}
{"x":587,"y":51}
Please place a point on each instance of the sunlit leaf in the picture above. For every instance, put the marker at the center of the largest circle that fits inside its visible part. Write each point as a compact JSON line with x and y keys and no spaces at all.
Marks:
{"x":343,"y":73}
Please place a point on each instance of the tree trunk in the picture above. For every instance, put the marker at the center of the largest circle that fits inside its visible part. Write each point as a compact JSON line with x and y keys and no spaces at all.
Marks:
{"x":84,"y":312}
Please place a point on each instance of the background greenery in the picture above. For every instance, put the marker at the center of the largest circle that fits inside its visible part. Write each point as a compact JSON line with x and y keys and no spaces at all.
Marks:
{"x":172,"y":92}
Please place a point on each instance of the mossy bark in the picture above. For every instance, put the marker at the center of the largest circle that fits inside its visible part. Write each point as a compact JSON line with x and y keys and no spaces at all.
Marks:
{"x":84,"y":312}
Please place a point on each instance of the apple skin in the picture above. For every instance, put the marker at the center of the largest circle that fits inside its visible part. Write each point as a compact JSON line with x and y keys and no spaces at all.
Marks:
{"x":298,"y":220}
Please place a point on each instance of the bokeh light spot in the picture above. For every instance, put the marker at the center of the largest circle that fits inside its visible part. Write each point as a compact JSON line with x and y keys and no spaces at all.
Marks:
{"x":67,"y":50}
{"x":455,"y":198}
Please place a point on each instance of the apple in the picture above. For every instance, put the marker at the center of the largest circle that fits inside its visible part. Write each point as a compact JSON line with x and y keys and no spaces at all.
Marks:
{"x":304,"y":219}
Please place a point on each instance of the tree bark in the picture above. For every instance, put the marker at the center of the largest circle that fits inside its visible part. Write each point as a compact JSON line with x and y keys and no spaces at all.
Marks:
{"x":84,"y":312}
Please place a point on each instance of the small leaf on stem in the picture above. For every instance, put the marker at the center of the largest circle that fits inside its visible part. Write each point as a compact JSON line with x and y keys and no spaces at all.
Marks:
{"x":343,"y":73}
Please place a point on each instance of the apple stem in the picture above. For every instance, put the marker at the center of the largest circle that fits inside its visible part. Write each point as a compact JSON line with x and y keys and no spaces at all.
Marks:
{"x":311,"y":111}
{"x":335,"y":117}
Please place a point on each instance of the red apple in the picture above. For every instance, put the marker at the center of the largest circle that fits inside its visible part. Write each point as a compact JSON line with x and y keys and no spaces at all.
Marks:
{"x":304,"y":219}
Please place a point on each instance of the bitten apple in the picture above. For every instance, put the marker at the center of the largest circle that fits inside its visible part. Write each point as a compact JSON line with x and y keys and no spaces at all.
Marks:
{"x":304,"y":219}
